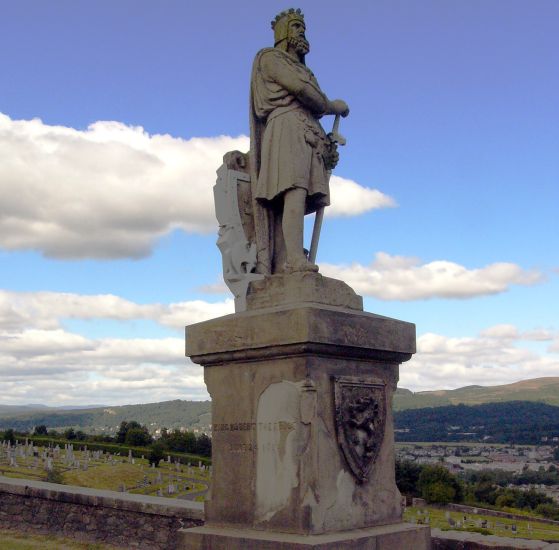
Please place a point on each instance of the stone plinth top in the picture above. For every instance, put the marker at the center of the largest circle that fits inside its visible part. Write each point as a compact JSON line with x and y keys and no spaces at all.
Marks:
{"x":301,"y":288}
{"x":296,"y":330}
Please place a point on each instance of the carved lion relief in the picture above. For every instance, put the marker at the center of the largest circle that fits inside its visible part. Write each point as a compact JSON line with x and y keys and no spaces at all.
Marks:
{"x":360,"y":418}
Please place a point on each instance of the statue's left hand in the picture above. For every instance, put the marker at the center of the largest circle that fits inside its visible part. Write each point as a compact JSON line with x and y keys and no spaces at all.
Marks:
{"x":331,"y":156}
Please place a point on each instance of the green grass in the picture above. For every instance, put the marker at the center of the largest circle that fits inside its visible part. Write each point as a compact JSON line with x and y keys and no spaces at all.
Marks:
{"x":495,"y":525}
{"x":102,"y":475}
{"x":13,"y":540}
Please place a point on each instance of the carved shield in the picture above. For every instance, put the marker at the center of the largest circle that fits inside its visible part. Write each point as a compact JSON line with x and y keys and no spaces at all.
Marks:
{"x":360,"y":408}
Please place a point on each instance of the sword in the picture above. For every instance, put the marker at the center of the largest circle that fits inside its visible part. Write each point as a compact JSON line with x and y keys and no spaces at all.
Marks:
{"x":335,"y":137}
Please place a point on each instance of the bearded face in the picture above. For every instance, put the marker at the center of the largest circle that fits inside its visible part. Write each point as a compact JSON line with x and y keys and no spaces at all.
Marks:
{"x":299,"y":44}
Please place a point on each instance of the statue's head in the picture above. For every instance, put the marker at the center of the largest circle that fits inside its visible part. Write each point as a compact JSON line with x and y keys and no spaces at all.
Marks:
{"x":289,"y":32}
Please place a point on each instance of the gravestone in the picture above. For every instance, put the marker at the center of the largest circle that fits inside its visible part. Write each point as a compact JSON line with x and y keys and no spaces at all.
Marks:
{"x":301,"y":378}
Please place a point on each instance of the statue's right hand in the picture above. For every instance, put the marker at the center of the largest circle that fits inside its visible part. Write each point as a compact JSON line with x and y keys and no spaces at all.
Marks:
{"x":339,"y":107}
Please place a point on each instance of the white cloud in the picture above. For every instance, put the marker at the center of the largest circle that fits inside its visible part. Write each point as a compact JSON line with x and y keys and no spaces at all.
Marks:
{"x":112,"y":190}
{"x":348,"y":198}
{"x":495,"y":357}
{"x":403,"y":278}
{"x":44,"y":310}
{"x":510,"y":332}
{"x":504,"y":332}
{"x":41,"y":361}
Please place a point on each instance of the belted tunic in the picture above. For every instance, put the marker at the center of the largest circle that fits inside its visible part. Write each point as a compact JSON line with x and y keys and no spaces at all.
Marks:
{"x":287,"y":141}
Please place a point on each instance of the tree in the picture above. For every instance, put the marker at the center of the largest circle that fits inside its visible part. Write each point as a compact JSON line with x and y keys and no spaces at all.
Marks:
{"x":138,"y":437}
{"x":40,"y":430}
{"x":126,"y":427}
{"x":438,"y":492}
{"x":506,"y":500}
{"x":438,"y":485}
{"x":70,"y":433}
{"x":156,"y":454}
{"x":204,"y":445}
{"x":484,"y":489}
{"x":407,"y":476}
{"x":121,"y":433}
{"x":550,"y":511}
{"x":10,"y":436}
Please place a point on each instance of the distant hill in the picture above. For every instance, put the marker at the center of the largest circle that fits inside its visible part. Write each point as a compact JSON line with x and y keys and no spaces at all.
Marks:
{"x":519,"y":422}
{"x":541,"y":390}
{"x":178,"y":413}
{"x":169,"y":414}
{"x":8,"y":410}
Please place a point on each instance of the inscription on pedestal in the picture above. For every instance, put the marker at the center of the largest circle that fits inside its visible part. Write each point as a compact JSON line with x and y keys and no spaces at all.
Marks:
{"x":360,"y":409}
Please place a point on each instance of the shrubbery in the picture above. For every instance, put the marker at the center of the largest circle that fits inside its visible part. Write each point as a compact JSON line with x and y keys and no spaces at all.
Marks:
{"x":487,"y":488}
{"x":437,"y":485}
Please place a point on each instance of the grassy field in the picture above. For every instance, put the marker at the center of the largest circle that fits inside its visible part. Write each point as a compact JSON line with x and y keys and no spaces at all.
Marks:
{"x":118,"y":474}
{"x":12,"y":540}
{"x":525,"y":529}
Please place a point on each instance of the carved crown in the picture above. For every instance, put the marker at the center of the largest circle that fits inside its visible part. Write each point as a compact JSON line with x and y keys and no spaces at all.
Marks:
{"x":291,"y":13}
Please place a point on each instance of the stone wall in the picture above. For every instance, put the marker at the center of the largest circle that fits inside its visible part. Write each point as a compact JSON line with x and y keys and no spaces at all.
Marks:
{"x":120,"y":519}
{"x":143,"y":522}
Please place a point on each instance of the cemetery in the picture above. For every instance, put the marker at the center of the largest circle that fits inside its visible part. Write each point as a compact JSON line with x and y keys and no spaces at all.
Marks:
{"x":477,"y":521}
{"x":76,"y":465}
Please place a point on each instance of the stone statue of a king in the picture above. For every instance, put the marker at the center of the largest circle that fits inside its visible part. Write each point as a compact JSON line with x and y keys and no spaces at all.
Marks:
{"x":291,"y":155}
{"x":301,"y":378}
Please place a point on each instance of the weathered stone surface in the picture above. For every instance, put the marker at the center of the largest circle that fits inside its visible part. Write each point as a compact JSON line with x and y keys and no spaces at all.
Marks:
{"x":291,"y":156}
{"x":124,"y":520}
{"x":401,"y":536}
{"x":270,"y":373}
{"x":301,"y":288}
{"x":292,"y":330}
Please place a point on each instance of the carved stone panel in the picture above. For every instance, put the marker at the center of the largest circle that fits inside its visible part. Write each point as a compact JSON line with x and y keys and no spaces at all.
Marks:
{"x":360,"y":409}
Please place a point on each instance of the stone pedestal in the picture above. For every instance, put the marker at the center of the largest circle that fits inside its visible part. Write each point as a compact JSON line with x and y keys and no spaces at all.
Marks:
{"x":303,"y":439}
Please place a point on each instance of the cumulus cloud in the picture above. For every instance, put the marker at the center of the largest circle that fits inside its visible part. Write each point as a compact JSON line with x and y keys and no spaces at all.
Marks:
{"x":494,"y":357}
{"x":111,"y":190}
{"x":44,"y":310}
{"x":510,"y":332}
{"x":403,"y":278}
{"x":42,"y":361}
{"x":349,"y":198}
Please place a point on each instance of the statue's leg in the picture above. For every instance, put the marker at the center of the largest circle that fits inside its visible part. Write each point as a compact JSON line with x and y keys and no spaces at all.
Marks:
{"x":293,"y":230}
{"x":279,"y":258}
{"x":264,"y":241}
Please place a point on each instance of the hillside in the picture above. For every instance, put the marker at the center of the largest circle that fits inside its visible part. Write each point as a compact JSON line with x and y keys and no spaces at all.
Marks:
{"x":520,"y":422}
{"x":180,"y":413}
{"x":169,"y":414}
{"x":541,"y":390}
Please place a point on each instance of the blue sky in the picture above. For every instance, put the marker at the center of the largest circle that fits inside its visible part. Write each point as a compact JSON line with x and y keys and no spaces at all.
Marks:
{"x":114,"y":117}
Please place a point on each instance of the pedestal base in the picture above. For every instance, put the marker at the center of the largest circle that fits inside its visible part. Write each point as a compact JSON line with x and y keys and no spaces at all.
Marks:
{"x":399,"y":536}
